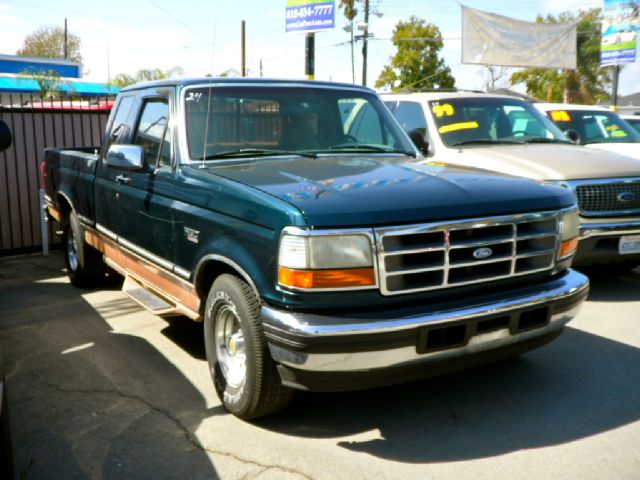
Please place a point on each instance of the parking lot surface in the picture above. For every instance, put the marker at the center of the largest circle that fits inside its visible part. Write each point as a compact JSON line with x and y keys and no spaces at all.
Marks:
{"x":100,"y":388}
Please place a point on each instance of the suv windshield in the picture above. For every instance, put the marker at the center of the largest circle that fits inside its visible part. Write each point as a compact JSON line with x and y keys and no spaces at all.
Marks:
{"x":595,"y":126}
{"x":482,"y":120}
{"x":280,"y":120}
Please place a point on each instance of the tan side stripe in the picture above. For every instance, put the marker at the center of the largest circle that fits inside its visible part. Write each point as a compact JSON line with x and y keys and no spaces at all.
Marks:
{"x":180,"y":291}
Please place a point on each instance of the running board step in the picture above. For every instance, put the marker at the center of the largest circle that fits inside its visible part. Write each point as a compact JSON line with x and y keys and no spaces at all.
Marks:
{"x":150,"y":300}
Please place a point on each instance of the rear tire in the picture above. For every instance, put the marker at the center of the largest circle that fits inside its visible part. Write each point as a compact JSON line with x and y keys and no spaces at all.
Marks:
{"x":83,"y":263}
{"x":244,"y":375}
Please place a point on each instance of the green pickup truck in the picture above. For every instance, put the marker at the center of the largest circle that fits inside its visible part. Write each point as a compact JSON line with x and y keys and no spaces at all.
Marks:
{"x":295,"y":219}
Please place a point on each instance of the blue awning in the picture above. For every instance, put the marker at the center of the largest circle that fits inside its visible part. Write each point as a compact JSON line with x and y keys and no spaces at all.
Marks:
{"x":29,"y":85}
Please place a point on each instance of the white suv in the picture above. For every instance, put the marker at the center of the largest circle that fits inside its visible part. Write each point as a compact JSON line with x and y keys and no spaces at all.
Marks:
{"x":508,"y":135}
{"x":595,"y":127}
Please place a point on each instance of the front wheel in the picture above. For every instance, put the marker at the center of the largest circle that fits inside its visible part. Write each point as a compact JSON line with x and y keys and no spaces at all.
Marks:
{"x":244,"y":375}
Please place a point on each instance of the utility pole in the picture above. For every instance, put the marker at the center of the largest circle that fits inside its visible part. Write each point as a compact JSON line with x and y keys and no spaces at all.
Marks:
{"x":309,"y":51}
{"x":260,"y":68}
{"x":364,"y":42}
{"x":243,"y":50}
{"x":614,"y":96}
{"x":66,"y":49}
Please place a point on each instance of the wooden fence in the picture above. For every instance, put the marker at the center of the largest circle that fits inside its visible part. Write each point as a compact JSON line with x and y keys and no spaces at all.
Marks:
{"x":36,"y":125}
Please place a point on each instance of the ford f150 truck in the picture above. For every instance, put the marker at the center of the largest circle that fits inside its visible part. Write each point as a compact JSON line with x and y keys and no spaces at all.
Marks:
{"x":508,"y":135}
{"x":295,"y":220}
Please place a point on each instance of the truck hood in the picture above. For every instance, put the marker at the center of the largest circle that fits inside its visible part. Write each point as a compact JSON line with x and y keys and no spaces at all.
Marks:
{"x":630,"y":149}
{"x":543,"y":161}
{"x":366,"y":191}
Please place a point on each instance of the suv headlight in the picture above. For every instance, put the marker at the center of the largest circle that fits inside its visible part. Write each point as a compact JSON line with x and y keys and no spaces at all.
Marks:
{"x":570,"y":233}
{"x":310,"y":260}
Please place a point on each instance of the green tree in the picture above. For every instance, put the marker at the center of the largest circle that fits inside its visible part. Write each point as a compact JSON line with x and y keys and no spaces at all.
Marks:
{"x":145,"y":75}
{"x":417,"y":63}
{"x":49,"y":42}
{"x":589,"y":83}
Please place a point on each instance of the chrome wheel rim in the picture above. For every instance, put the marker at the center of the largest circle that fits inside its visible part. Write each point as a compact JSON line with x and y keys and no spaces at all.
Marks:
{"x":230,"y":349}
{"x":72,"y":251}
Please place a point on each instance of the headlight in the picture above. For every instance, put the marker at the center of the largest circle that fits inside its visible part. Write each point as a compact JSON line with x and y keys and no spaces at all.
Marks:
{"x":570,"y":232}
{"x":311,"y":261}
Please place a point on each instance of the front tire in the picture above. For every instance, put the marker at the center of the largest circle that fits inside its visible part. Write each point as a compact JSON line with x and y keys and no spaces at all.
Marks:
{"x":244,"y":375}
{"x":83,"y":263}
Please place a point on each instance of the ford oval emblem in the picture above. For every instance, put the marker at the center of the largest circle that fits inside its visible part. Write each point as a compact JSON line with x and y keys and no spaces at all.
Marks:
{"x":626,"y":196}
{"x":482,"y":253}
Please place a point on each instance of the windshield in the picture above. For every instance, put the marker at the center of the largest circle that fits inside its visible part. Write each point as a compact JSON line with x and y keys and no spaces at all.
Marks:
{"x":595,"y":126}
{"x":482,"y":120}
{"x":634,"y":122}
{"x":262,"y":121}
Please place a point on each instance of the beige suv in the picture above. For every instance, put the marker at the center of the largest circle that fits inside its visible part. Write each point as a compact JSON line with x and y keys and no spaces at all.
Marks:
{"x":508,"y":135}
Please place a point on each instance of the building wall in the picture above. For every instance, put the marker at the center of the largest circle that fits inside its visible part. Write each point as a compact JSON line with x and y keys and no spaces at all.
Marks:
{"x":35,"y":129}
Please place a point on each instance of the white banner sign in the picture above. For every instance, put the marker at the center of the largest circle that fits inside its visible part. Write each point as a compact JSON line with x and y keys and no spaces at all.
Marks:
{"x":490,"y":39}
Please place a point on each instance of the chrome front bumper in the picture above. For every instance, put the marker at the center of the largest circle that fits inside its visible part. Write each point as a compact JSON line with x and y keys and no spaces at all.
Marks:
{"x":588,"y":230}
{"x":382,"y":340}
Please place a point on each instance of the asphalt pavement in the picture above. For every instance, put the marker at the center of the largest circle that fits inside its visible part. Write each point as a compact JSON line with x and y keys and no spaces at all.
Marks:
{"x":99,"y":388}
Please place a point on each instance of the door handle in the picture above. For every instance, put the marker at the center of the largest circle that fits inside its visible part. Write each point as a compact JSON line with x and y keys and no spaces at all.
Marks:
{"x":123,"y":179}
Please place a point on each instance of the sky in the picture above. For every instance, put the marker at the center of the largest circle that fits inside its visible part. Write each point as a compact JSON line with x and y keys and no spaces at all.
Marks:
{"x":203,"y":37}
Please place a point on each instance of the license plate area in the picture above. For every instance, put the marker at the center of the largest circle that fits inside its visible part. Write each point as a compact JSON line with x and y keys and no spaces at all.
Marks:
{"x":629,"y":244}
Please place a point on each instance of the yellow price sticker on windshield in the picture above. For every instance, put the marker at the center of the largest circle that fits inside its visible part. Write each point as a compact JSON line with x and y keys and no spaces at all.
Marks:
{"x":443,"y":110}
{"x":458,"y":126}
{"x":560,"y":116}
{"x":618,"y":133}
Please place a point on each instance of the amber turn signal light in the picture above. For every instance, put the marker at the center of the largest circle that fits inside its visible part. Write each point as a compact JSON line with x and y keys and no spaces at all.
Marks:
{"x":568,"y":247}
{"x":351,"y":277}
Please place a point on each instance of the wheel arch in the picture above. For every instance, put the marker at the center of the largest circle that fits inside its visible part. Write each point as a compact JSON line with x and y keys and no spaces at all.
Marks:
{"x":211,"y":267}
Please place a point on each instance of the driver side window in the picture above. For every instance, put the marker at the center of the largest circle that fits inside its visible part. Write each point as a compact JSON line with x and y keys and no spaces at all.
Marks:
{"x":152,"y":132}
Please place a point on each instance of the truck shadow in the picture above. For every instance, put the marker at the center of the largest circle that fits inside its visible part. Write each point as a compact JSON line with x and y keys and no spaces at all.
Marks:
{"x":578,"y":386}
{"x":86,"y":402}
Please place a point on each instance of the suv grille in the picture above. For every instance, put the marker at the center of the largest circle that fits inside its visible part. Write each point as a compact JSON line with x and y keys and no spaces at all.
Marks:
{"x":609,"y":198}
{"x":445,"y":255}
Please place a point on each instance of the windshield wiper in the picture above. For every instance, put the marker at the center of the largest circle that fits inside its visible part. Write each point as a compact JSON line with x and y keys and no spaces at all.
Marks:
{"x":486,"y":141}
{"x":544,"y":140}
{"x":258,"y":152}
{"x":369,"y":148}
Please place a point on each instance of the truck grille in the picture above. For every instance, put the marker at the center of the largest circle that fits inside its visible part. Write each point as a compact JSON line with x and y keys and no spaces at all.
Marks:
{"x":621,"y":198}
{"x":446,"y":255}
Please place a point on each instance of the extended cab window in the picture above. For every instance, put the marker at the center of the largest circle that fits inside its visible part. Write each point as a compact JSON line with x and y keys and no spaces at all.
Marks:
{"x":152,"y":132}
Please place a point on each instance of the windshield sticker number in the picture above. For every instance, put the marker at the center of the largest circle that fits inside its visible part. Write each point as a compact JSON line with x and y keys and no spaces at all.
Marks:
{"x":618,"y":133}
{"x":458,"y":126}
{"x":560,"y":116}
{"x":443,"y":110}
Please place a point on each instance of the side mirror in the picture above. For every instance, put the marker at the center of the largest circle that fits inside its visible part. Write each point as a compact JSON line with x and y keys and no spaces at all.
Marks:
{"x":5,"y":136}
{"x":573,"y":135}
{"x":126,"y":157}
{"x":417,"y":137}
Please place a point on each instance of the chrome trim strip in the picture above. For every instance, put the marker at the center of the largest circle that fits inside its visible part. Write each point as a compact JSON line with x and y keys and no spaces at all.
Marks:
{"x":572,"y":283}
{"x":112,"y":235}
{"x":85,"y":220}
{"x":141,"y":252}
{"x":181,"y":272}
{"x":601,"y":229}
